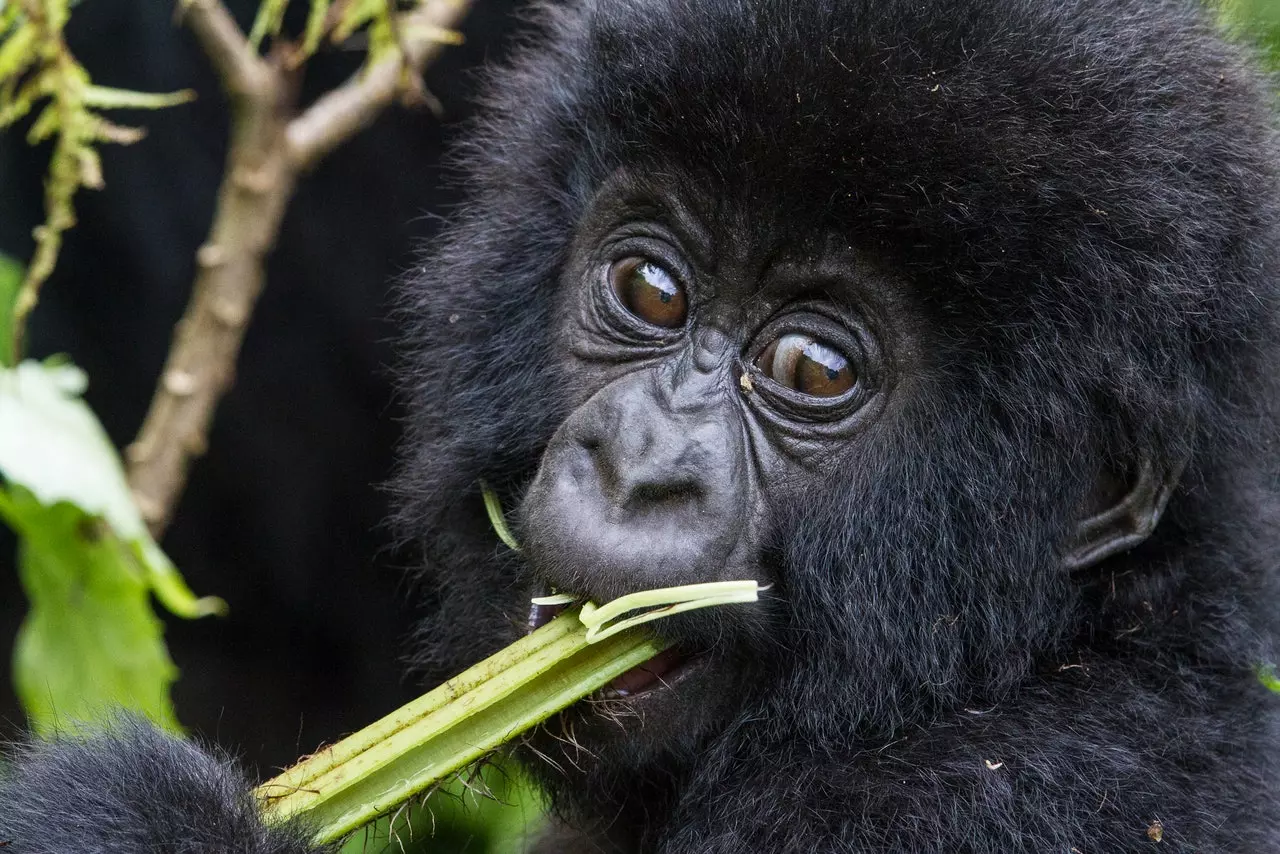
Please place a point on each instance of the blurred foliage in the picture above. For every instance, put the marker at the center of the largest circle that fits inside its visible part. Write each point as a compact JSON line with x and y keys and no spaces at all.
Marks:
{"x":493,"y":809}
{"x":37,"y":68}
{"x":87,"y":563}
{"x":1256,"y":22}
{"x":91,"y":643}
{"x":340,"y":19}
{"x":11,"y":276}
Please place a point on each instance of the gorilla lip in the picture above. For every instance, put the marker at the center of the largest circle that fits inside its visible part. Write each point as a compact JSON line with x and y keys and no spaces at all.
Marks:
{"x":662,"y":671}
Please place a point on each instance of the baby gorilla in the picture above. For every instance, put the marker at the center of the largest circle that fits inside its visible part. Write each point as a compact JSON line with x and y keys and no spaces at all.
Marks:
{"x":953,"y":322}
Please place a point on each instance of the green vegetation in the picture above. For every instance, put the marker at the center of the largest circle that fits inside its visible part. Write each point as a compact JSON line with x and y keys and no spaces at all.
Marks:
{"x":1256,"y":22}
{"x":371,"y":773}
{"x":37,"y":70}
{"x":90,"y":642}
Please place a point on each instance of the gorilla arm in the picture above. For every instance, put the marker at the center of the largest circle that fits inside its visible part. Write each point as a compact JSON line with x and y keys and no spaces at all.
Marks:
{"x":132,"y":790}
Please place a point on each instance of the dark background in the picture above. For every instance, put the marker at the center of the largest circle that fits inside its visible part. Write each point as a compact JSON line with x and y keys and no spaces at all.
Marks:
{"x":283,"y":516}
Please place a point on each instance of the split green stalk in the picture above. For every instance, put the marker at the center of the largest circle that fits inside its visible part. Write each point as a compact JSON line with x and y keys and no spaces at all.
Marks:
{"x":374,"y":771}
{"x":370,"y":773}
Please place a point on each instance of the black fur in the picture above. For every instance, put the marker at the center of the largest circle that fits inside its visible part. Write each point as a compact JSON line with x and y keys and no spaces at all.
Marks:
{"x":1080,"y":198}
{"x":133,"y":790}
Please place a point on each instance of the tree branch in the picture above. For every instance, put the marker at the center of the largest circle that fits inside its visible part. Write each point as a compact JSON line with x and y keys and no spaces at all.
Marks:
{"x":338,"y":115}
{"x":237,"y":63}
{"x":270,"y":144}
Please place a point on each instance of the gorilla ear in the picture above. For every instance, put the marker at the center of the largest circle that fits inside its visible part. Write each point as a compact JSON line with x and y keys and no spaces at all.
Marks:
{"x":1128,"y":520}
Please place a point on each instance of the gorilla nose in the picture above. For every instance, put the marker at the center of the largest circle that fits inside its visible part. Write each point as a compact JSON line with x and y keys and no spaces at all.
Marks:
{"x":629,"y":497}
{"x":645,"y":467}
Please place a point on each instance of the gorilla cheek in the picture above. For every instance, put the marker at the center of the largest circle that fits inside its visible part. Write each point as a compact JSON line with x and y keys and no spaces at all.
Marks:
{"x":632,"y":494}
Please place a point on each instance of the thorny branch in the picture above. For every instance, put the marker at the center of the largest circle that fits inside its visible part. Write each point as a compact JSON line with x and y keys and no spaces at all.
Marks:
{"x":272,"y":143}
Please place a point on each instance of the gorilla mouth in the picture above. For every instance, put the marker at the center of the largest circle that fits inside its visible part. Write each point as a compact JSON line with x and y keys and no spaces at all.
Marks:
{"x":658,"y":673}
{"x":540,"y":615}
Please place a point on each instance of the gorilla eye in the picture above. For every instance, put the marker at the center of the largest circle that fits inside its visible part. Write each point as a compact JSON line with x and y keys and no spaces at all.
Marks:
{"x":648,"y":291}
{"x":807,"y":365}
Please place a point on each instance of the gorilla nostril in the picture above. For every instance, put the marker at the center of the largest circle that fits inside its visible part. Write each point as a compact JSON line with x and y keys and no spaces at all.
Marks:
{"x":641,"y":461}
{"x":652,"y":494}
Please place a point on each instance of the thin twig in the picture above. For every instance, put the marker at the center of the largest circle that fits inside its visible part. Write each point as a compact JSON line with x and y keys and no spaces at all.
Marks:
{"x":238,"y":65}
{"x":338,"y":115}
{"x":271,"y":144}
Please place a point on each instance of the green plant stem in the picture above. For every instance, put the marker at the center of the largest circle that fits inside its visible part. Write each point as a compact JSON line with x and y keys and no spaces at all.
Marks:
{"x":372,"y":772}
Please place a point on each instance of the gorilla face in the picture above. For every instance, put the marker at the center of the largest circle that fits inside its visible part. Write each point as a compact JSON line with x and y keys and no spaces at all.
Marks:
{"x":712,"y":378}
{"x":723,"y":373}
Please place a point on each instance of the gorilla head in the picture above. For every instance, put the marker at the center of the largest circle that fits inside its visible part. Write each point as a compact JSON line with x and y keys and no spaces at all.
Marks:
{"x":924,"y":314}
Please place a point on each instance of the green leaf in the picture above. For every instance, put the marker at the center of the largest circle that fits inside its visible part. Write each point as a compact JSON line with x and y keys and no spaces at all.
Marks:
{"x":10,"y":14}
{"x":47,"y":123}
{"x":11,"y":274}
{"x":14,"y":104}
{"x":498,"y":806}
{"x":52,"y":444}
{"x":90,"y":643}
{"x":357,"y":14}
{"x":314,"y":30}
{"x":104,"y":97}
{"x":18,"y":50}
{"x":1256,"y":22}
{"x":268,"y":21}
